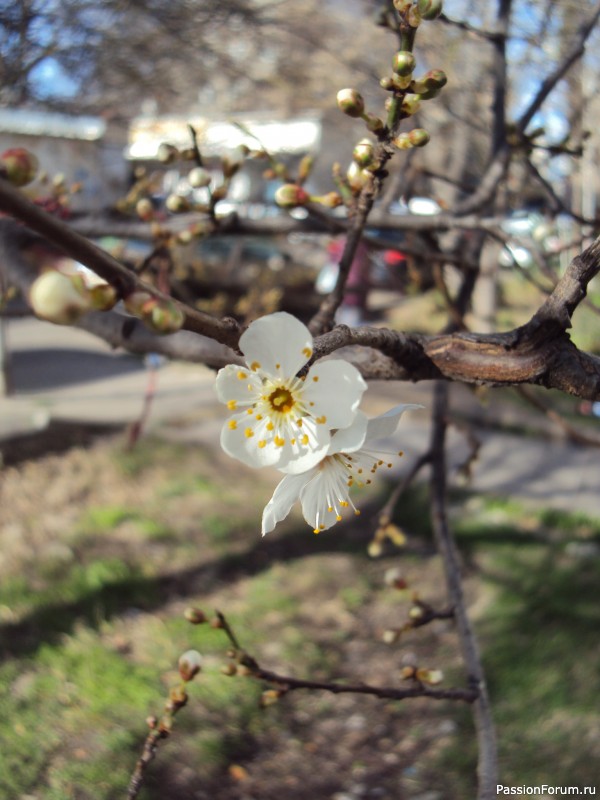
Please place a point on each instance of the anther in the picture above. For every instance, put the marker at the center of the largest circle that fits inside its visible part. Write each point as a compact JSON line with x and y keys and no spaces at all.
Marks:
{"x":249,"y":433}
{"x":232,"y":424}
{"x":232,"y":405}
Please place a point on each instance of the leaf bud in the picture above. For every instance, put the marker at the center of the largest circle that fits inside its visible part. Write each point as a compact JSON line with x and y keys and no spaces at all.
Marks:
{"x":167,"y":153}
{"x":59,"y":298}
{"x":190,"y":664}
{"x":404,"y":63}
{"x":18,"y":166}
{"x":199,"y":177}
{"x":363,"y":153}
{"x":410,"y":104}
{"x":305,"y":167}
{"x":430,"y":9}
{"x":290,"y":195}
{"x":329,"y":200}
{"x":351,"y":102}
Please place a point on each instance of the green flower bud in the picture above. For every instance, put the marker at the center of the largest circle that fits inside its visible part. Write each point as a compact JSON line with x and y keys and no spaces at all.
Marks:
{"x":103,"y":297}
{"x":374,"y":124}
{"x":418,"y":137}
{"x":18,"y":166}
{"x":194,"y":615}
{"x":290,"y":195}
{"x":59,"y":298}
{"x":305,"y":167}
{"x":404,"y":63}
{"x":402,"y":142}
{"x":139,"y":303}
{"x":199,"y":177}
{"x":351,"y":102}
{"x":363,"y":152}
{"x":430,"y":9}
{"x":329,"y":200}
{"x":430,"y":676}
{"x":410,"y":104}
{"x":165,"y":317}
{"x":434,"y":79}
{"x":387,"y":84}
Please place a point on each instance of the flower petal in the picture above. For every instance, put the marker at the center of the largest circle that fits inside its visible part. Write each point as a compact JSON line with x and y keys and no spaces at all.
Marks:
{"x":322,"y":497}
{"x":284,"y":497}
{"x":385,"y":424}
{"x":257,"y":446}
{"x":279,"y":343}
{"x":333,"y":389}
{"x":347,"y":440}
{"x":237,"y":385}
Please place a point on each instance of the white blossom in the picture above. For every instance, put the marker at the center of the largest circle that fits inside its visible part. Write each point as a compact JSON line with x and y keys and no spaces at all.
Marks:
{"x":280,"y":419}
{"x":324,"y":489}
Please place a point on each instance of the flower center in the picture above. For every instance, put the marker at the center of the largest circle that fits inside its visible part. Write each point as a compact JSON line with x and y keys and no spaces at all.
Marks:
{"x":281,"y":400}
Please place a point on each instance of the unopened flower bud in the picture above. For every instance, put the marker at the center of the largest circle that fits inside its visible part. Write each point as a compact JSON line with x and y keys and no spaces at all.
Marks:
{"x":374,"y":124}
{"x":390,"y":636}
{"x":167,"y":153}
{"x":408,"y":673}
{"x":404,"y":63}
{"x":185,"y":237}
{"x":416,"y":613}
{"x":144,"y":209}
{"x":418,"y":137}
{"x":375,"y":549}
{"x":190,"y":664}
{"x":139,"y":303}
{"x":229,"y":670}
{"x":387,"y":84}
{"x":199,"y":177}
{"x":402,"y":141}
{"x":177,"y":204}
{"x":351,"y":102}
{"x":194,"y":615}
{"x":59,"y":298}
{"x":393,"y":577}
{"x":363,"y":153}
{"x":165,"y":317}
{"x":18,"y":166}
{"x":216,"y":622}
{"x":151,"y":722}
{"x":410,"y":104}
{"x":269,"y":697}
{"x":103,"y":297}
{"x":290,"y":195}
{"x":177,"y":698}
{"x":357,"y":177}
{"x":433,"y":80}
{"x":430,"y":9}
{"x":430,"y":676}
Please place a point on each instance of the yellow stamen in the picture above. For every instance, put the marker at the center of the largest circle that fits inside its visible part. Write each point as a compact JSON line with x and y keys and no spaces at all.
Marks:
{"x":316,"y":379}
{"x":307,"y":352}
{"x":322,"y":420}
{"x":338,"y":518}
{"x":357,"y":512}
{"x":344,"y":503}
{"x":262,"y":444}
{"x":259,"y":416}
{"x":304,"y":439}
{"x":299,"y":423}
{"x":254,"y":366}
{"x":330,"y":508}
{"x":250,"y":411}
{"x":242,"y":375}
{"x":249,"y":433}
{"x":270,"y":426}
{"x":232,"y":424}
{"x":279,"y":442}
{"x":232,"y":405}
{"x":292,"y":441}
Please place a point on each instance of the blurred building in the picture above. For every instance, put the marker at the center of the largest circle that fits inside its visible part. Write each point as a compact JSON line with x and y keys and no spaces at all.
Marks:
{"x":81,"y":148}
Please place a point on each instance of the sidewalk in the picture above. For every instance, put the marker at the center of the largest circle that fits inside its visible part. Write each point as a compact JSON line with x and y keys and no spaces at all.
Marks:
{"x":65,"y":375}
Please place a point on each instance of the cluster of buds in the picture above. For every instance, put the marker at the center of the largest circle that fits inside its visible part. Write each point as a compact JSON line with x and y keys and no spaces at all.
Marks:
{"x":63,"y":299}
{"x":418,"y":137}
{"x":18,"y":166}
{"x":161,"y":315}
